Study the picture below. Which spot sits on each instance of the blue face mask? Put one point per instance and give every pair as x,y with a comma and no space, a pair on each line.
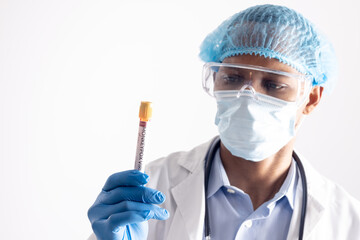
254,126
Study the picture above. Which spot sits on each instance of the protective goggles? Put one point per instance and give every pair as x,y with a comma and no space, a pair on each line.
236,78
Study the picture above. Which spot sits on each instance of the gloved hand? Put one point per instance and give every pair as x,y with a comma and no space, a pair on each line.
123,207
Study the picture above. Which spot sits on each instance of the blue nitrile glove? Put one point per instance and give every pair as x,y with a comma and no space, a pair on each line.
123,207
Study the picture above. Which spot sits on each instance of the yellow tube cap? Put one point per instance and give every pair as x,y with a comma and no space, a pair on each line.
145,111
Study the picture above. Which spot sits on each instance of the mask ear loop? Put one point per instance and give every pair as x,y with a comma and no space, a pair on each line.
306,95
306,92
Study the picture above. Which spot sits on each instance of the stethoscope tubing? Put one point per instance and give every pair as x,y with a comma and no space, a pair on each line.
210,155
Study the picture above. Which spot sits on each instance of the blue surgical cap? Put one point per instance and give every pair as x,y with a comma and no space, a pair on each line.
274,32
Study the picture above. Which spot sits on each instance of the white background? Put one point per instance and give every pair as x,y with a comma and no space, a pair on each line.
73,73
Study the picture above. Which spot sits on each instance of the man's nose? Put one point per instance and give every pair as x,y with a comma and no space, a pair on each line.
247,86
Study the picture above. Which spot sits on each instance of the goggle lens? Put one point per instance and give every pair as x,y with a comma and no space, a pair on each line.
227,77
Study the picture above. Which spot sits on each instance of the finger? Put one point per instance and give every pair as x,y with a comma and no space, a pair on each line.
120,220
105,211
126,178
137,194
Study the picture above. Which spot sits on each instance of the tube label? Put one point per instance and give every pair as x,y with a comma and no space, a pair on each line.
140,147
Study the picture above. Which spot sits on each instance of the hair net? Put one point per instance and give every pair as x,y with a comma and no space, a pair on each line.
274,32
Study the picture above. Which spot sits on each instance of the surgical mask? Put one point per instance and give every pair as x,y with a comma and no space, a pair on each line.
252,125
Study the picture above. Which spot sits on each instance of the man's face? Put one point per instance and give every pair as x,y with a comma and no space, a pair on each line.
310,101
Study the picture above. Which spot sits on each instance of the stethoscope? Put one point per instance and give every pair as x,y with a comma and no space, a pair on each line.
215,145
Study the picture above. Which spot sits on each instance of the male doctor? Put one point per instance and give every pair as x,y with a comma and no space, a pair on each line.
267,68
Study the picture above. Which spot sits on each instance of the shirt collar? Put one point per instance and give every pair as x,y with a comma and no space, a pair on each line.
288,188
218,178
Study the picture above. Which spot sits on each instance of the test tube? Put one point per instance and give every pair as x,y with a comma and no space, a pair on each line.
145,114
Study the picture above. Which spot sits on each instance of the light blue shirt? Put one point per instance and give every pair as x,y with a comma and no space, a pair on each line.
231,211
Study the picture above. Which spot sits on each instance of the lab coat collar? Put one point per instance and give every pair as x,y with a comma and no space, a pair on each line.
190,192
190,160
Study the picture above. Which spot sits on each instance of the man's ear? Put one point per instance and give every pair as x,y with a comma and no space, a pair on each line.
314,99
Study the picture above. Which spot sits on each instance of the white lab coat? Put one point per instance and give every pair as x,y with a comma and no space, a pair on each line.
331,212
